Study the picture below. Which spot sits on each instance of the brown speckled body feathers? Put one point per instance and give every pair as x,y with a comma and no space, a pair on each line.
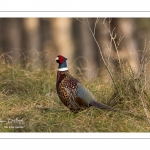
67,90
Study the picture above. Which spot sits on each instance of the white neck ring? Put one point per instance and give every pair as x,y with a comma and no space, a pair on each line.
63,69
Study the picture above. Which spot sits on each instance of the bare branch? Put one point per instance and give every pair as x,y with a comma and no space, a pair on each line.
87,20
113,38
101,53
97,20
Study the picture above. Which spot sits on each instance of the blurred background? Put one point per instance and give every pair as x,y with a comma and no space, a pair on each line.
36,42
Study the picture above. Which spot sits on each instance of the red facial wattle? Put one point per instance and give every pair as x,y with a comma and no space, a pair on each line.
61,59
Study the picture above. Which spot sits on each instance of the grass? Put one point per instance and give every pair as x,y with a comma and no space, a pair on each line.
26,106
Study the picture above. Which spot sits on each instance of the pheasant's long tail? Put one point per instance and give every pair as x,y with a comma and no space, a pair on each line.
100,106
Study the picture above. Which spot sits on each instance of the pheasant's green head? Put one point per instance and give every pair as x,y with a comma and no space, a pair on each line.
61,60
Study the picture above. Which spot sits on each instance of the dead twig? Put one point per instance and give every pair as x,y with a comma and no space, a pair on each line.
101,53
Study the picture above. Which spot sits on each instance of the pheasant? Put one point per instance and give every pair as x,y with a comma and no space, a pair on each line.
71,92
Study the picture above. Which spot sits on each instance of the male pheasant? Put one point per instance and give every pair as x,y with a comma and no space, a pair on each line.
71,92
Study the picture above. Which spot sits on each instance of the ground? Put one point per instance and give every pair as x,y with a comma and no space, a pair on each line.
29,103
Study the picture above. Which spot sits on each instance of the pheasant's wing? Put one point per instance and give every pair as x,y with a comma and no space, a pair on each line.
84,95
88,99
79,96
70,87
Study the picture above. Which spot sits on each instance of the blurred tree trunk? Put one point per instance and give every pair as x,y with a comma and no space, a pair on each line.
104,40
87,51
62,36
128,48
33,41
49,49
11,38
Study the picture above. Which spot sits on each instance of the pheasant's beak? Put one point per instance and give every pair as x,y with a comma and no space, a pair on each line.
56,58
